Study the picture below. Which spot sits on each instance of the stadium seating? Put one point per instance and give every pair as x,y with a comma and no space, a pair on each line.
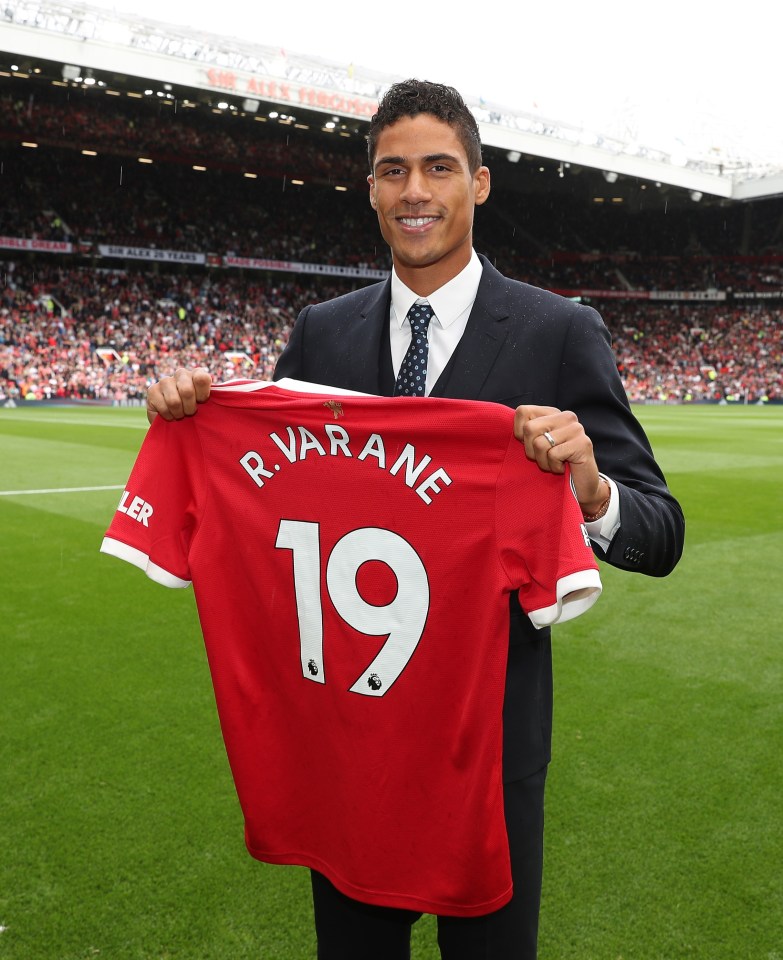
693,307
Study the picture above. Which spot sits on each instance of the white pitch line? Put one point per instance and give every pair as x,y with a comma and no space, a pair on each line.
18,493
27,416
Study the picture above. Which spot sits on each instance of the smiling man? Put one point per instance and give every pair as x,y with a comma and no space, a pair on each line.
448,324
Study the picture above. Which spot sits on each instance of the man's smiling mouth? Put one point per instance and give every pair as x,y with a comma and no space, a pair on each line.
416,221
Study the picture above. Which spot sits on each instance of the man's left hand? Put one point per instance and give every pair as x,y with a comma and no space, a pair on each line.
555,437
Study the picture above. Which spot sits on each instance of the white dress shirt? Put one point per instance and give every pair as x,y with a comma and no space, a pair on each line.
452,304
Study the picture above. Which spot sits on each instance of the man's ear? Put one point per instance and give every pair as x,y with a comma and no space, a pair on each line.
481,185
371,181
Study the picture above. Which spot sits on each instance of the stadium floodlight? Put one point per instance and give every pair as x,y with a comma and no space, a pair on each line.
696,195
249,105
610,176
71,72
513,156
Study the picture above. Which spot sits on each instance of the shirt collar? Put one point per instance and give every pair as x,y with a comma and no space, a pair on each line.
449,301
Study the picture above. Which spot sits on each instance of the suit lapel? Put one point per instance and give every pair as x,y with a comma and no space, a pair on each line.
486,331
367,347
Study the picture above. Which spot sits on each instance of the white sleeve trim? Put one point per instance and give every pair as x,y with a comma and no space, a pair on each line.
116,548
575,594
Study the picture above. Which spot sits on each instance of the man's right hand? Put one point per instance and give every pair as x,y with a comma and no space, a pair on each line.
174,398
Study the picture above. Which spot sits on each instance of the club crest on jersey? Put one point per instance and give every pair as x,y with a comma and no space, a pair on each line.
312,666
336,407
374,682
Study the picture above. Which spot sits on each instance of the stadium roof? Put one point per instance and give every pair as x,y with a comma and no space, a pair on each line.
89,39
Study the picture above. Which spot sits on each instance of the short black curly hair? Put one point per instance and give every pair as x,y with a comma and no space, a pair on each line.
408,98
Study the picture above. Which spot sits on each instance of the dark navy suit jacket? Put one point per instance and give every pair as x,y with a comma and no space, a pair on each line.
521,345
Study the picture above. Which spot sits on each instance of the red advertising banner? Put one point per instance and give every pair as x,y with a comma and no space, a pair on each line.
294,93
33,243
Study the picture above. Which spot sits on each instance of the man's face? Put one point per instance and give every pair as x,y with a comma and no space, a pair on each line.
424,195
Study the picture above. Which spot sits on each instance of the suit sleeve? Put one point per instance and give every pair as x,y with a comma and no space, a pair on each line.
652,528
290,363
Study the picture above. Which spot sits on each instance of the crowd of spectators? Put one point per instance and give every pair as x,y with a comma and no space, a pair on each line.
106,335
708,352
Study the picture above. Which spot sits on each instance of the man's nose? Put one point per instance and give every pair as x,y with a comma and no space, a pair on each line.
416,188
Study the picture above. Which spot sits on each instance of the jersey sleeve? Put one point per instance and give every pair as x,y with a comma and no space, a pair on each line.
543,543
159,509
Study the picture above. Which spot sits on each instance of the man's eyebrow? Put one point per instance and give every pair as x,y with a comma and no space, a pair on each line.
428,158
393,160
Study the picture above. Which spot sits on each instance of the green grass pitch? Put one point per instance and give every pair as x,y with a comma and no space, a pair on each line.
120,834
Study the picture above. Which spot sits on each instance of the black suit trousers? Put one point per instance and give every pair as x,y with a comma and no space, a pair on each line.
350,930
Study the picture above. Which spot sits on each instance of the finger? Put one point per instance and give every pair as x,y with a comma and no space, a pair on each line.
184,402
555,440
172,397
157,404
549,449
542,429
573,446
176,397
526,413
554,448
202,383
530,422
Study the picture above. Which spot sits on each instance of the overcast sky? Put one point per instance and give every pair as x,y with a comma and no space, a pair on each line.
706,74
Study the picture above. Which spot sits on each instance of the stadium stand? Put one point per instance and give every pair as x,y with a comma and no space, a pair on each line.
116,271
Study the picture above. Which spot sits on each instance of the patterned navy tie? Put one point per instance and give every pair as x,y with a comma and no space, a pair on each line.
412,378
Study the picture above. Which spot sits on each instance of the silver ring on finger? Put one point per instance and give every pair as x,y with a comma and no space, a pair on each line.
550,439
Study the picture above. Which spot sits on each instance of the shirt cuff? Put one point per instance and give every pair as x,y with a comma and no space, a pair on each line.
603,530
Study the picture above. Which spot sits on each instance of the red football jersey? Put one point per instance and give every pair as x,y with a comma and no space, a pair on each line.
352,559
